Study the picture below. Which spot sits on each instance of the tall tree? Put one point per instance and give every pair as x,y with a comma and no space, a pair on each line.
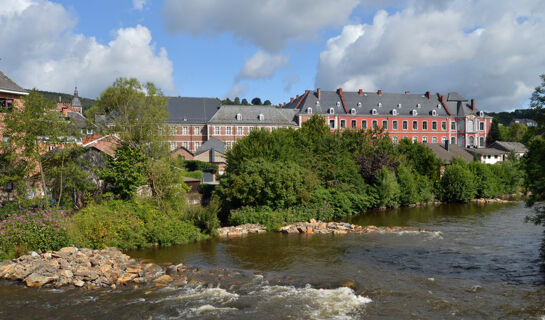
135,109
237,101
244,102
31,131
537,102
267,102
495,133
256,101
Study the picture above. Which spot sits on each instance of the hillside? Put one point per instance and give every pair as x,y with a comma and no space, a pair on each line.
505,118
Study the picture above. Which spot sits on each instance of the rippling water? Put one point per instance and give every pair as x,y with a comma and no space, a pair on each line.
483,262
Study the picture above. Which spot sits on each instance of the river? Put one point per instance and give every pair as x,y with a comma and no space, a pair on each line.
482,263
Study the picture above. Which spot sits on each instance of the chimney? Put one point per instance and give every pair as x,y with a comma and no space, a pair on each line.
340,91
407,92
473,104
428,95
360,92
291,100
447,147
379,92
297,96
319,93
443,100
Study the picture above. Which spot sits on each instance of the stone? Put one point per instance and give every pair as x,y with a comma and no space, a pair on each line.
6,270
233,234
68,250
132,270
38,280
125,278
66,273
163,279
172,270
47,255
309,230
79,283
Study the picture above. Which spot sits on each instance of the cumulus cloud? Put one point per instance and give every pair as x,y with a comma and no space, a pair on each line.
262,65
45,53
267,23
139,4
490,50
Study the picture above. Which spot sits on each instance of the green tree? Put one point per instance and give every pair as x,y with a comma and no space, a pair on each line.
30,131
387,188
135,109
421,158
126,171
495,133
537,102
167,184
516,132
407,183
237,101
457,183
256,101
244,102
267,102
487,181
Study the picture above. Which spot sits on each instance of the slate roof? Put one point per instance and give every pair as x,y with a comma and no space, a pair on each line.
250,115
212,144
454,152
6,84
75,99
77,119
384,103
509,146
191,110
487,151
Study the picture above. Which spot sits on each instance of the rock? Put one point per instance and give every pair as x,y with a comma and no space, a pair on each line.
125,278
34,254
47,255
475,289
132,270
349,284
68,250
66,273
6,270
172,270
233,234
38,280
79,283
163,279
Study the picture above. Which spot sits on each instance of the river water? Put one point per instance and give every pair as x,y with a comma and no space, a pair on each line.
481,262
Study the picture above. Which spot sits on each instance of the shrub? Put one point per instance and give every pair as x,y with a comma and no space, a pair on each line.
197,174
457,184
196,165
33,230
342,202
206,218
409,185
128,224
387,188
487,184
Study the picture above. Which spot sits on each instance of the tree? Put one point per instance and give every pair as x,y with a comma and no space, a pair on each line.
516,132
408,184
537,102
237,101
30,131
256,101
421,158
457,183
244,102
387,188
135,109
495,133
267,102
486,180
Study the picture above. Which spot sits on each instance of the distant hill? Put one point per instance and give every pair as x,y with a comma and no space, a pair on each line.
505,118
86,103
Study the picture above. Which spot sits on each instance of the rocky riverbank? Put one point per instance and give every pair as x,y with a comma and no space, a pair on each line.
314,227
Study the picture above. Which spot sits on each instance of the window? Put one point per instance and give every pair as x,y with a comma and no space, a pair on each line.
481,125
353,124
394,140
250,129
443,140
161,131
433,113
196,130
239,131
481,114
434,139
385,124
415,139
173,130
229,145
343,124
6,105
424,125
197,145
228,130
415,125
309,110
239,117
185,131
405,124
470,127
453,125
332,123
424,139
453,140
172,145
353,111
185,144
89,131
217,131
375,124
374,111
331,111
481,141
51,148
261,117
443,125
471,140
434,125
364,124
394,125
415,113
394,112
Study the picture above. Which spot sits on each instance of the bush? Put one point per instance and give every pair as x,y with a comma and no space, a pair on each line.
342,202
33,230
196,165
206,218
197,174
457,184
128,224
387,188
409,185
487,182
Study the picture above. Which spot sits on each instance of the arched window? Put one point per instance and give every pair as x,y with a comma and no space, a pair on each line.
318,102
331,111
481,114
239,116
471,141
379,104
359,104
309,110
394,140
399,105
434,113
418,105
394,112
414,112
261,117
338,103
374,111
353,111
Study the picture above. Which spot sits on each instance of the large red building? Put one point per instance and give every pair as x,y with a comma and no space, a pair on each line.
427,118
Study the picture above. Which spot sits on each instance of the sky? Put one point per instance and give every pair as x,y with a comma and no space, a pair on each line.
490,50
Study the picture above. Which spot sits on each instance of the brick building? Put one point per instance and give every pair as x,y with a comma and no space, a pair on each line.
11,95
427,118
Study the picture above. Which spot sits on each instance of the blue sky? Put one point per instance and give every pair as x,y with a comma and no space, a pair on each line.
274,49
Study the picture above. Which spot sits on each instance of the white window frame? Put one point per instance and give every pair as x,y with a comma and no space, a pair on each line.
228,130
185,131
217,130
240,131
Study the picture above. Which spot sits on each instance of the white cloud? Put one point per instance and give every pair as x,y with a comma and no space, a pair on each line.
289,82
139,4
238,90
46,54
262,65
491,50
266,23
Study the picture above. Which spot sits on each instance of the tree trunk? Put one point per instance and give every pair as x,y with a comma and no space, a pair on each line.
44,187
60,189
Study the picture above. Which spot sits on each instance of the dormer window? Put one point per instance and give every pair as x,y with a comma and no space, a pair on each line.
438,106
338,103
239,117
261,117
481,114
418,105
317,102
399,105
353,111
379,104
414,112
374,111
309,110
331,111
394,112
434,113
359,104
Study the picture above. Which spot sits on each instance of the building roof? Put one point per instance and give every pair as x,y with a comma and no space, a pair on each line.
362,103
77,119
106,144
453,152
7,85
191,110
509,146
75,99
486,151
212,144
251,115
